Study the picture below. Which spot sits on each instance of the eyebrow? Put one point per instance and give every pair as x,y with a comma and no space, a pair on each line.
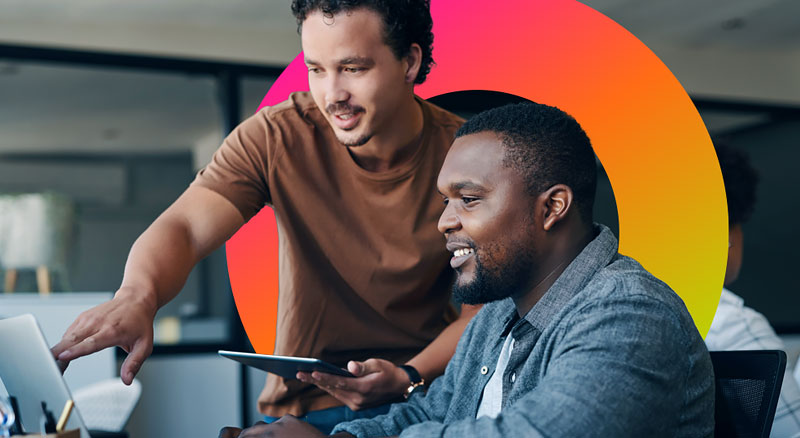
353,60
464,185
357,60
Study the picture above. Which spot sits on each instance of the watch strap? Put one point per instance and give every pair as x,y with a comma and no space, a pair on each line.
413,374
417,381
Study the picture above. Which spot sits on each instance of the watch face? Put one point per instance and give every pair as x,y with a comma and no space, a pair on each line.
415,387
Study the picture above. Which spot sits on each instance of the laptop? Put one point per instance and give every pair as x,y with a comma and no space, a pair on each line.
30,374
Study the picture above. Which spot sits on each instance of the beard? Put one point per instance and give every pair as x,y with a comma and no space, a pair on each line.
501,280
354,142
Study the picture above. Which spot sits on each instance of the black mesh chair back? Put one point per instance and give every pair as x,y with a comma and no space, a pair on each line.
748,384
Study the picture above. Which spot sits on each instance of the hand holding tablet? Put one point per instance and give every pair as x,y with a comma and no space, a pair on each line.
376,381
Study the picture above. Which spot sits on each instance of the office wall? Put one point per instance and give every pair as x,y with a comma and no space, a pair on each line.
130,192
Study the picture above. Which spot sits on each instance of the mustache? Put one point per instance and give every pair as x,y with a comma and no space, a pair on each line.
456,241
342,107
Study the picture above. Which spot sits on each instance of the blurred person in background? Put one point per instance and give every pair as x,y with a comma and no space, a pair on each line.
736,326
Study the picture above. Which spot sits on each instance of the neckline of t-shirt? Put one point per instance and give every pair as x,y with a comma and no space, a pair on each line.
405,169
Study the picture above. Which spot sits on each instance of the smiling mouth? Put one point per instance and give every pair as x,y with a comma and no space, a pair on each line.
346,121
344,115
460,256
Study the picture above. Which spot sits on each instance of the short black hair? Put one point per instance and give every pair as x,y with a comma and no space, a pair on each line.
546,146
405,22
741,180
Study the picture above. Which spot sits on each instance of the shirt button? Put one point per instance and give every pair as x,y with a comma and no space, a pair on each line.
513,377
484,370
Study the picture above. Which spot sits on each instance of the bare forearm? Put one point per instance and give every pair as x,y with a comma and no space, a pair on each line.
163,256
159,262
432,361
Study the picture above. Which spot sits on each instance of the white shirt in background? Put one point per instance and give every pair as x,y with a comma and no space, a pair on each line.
737,327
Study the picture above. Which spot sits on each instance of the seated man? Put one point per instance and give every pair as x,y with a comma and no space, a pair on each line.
576,339
736,326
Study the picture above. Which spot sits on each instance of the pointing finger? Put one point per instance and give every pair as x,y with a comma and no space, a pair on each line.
89,345
73,336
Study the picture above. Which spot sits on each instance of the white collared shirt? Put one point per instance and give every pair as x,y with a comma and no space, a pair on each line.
492,399
738,327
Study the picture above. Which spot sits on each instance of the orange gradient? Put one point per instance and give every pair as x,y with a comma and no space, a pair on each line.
643,126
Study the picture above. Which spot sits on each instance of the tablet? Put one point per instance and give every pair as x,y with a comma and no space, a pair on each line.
284,366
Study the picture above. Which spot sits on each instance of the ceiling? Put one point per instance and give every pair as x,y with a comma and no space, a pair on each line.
262,31
265,31
732,25
745,51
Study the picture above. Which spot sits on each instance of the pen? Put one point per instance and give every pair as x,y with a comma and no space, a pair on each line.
65,413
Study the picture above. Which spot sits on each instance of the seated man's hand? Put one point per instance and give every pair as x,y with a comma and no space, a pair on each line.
231,432
377,381
125,321
288,426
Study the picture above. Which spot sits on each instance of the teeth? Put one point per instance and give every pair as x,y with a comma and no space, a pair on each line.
463,252
345,116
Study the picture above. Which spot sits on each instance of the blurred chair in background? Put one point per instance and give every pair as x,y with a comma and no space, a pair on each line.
748,385
36,233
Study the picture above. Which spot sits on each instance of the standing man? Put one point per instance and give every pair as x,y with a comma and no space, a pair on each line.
350,171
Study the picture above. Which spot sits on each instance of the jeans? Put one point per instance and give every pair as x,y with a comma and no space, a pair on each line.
326,419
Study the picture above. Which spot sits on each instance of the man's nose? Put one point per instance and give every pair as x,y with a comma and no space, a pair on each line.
449,220
336,91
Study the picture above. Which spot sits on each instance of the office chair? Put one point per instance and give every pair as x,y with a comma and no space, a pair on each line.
748,384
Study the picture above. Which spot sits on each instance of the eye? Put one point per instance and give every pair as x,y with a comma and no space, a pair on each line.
314,70
353,69
468,200
445,201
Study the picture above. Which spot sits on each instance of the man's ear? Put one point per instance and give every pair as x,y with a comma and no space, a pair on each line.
413,62
557,203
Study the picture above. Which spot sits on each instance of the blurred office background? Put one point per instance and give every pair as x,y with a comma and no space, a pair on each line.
115,105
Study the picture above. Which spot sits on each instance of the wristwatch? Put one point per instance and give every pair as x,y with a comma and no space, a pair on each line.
417,382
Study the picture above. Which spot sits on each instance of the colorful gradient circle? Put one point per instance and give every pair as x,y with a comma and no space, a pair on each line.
644,128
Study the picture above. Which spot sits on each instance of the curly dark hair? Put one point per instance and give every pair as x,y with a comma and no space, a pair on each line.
741,180
546,146
405,22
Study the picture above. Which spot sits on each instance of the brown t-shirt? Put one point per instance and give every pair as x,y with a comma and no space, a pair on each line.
363,270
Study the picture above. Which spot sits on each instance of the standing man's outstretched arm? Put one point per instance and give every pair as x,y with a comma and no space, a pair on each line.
160,260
